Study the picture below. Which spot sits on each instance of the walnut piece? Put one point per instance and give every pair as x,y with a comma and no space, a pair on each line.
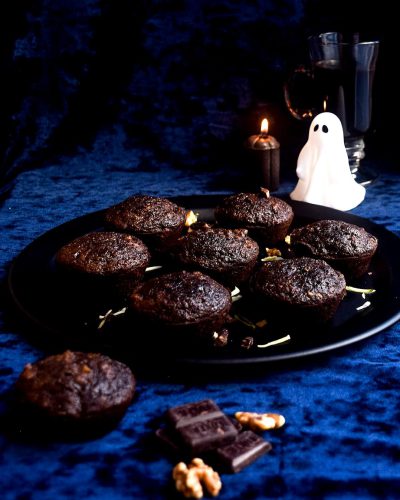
220,339
191,218
265,192
273,252
190,479
260,421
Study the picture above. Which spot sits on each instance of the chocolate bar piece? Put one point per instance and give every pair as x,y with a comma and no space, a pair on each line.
192,412
167,436
201,426
246,448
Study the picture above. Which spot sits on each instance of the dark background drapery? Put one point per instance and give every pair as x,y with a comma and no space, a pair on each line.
185,80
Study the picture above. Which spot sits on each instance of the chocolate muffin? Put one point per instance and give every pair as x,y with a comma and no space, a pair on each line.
267,218
344,246
103,263
299,289
228,255
182,303
76,391
157,221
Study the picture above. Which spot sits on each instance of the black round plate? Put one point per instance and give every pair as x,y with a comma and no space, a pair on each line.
38,294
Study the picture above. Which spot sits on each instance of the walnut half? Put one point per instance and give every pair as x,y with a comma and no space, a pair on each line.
190,479
260,421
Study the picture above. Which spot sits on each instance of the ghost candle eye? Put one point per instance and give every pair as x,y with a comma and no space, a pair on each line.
316,127
325,129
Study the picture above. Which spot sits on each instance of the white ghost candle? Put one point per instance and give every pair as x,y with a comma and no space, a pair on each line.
323,167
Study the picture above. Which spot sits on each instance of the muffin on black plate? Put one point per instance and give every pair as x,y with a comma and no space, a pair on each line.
300,289
103,264
228,255
344,246
267,218
157,221
189,303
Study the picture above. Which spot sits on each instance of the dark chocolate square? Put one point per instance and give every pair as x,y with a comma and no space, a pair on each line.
247,447
180,416
207,434
201,426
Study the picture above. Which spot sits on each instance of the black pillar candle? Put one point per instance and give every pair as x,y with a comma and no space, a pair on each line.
264,156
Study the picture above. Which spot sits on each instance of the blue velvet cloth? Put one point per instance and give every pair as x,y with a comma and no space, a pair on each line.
342,409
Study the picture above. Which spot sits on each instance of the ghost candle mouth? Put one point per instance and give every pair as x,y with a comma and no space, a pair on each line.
323,167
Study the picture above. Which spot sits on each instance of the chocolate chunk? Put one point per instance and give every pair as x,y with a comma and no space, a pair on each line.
208,434
238,426
168,437
193,412
246,448
247,342
201,426
165,436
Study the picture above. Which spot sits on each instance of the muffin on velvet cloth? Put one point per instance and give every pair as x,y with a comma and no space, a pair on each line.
267,218
299,289
76,391
344,246
184,303
103,264
228,255
157,221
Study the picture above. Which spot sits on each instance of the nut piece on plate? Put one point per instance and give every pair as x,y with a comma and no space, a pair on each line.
191,218
260,421
190,479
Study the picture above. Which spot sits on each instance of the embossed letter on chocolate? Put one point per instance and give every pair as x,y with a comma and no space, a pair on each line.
201,426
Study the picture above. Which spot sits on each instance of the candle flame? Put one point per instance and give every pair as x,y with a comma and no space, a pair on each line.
324,105
264,126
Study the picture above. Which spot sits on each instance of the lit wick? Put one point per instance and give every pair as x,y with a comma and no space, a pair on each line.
264,127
